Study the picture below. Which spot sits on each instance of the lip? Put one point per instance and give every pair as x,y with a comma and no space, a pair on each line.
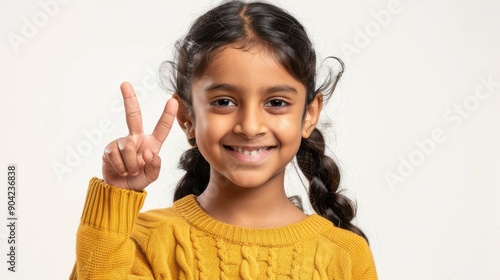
250,154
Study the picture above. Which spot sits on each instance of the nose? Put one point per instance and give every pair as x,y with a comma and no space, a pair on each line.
251,122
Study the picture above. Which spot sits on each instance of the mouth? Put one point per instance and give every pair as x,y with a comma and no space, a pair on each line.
250,151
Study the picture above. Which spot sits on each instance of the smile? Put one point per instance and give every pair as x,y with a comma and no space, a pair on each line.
249,151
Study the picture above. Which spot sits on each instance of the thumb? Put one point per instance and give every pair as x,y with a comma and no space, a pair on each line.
152,165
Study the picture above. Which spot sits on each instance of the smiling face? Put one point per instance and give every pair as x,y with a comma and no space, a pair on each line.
249,117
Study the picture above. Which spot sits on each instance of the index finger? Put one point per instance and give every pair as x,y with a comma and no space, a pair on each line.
133,114
167,118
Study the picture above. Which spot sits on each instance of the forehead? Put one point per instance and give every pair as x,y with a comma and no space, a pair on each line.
251,67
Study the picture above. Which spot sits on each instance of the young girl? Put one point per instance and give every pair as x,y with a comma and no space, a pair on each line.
246,97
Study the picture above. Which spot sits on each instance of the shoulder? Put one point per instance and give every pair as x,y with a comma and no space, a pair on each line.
342,241
166,219
156,232
159,218
349,249
347,241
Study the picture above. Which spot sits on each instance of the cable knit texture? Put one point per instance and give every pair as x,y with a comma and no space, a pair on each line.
115,241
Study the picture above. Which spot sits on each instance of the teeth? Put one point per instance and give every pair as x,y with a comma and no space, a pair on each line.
249,153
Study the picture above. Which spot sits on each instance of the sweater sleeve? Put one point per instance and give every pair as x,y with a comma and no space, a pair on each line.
363,263
352,257
104,249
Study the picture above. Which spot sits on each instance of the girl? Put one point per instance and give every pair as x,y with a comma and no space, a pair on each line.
246,97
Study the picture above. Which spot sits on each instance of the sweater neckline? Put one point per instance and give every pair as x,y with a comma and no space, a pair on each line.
191,211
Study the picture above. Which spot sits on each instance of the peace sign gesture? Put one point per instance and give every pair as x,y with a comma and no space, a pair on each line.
132,162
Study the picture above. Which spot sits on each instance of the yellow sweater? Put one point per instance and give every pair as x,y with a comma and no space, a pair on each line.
115,241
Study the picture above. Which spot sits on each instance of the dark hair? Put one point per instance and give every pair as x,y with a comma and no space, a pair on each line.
249,24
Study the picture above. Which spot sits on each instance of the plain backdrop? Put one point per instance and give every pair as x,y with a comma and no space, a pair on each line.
413,123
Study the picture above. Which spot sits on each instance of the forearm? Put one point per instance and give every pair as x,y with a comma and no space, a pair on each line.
104,248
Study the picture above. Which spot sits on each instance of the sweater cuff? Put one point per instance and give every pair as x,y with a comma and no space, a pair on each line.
111,208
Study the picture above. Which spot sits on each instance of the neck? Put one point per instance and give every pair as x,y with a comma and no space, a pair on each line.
265,206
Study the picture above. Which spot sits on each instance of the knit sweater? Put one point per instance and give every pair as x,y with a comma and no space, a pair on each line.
115,241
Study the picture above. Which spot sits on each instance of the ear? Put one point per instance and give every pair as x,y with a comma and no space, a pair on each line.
184,117
312,114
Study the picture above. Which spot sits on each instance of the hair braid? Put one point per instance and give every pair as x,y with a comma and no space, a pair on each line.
324,178
197,175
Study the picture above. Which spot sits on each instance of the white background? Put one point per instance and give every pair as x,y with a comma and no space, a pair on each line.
406,76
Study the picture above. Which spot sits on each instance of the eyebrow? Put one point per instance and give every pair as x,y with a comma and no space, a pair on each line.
224,87
233,88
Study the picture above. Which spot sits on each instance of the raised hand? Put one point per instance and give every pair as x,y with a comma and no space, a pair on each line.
132,162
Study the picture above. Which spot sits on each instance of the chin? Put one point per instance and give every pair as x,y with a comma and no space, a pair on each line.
250,181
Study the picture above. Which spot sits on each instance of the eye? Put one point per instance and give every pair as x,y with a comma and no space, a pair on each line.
223,103
277,103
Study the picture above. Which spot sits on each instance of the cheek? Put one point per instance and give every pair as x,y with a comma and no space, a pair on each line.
288,129
209,129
